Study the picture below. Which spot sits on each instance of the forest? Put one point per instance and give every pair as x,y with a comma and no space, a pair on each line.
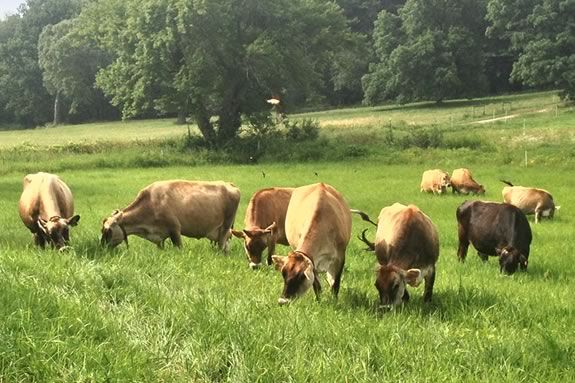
217,62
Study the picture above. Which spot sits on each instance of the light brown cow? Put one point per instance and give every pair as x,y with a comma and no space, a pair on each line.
47,209
407,248
318,228
170,209
530,200
462,182
265,223
435,181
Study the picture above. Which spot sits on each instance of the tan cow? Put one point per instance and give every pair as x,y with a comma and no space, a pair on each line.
318,228
170,209
47,209
265,223
462,182
407,248
530,200
435,181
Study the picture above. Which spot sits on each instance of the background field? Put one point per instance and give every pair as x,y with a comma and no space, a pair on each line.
143,314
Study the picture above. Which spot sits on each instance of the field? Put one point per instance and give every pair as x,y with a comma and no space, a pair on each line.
144,314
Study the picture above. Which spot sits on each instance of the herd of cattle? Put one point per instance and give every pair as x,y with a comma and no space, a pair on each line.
314,220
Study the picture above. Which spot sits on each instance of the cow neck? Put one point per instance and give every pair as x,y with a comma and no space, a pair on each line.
130,223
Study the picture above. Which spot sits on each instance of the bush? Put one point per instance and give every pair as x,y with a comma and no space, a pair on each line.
304,130
423,138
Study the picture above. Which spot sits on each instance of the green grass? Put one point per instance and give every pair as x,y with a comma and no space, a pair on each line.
194,315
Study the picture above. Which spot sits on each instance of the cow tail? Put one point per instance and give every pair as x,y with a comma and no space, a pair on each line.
506,182
363,216
370,245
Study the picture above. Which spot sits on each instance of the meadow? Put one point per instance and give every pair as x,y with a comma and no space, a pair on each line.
144,314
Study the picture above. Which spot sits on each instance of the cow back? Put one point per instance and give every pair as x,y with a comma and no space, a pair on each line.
318,219
266,207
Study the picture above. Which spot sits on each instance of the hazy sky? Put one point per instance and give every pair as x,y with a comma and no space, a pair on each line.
9,7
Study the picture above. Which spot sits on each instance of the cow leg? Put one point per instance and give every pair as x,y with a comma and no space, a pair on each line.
271,250
429,282
463,244
316,286
336,279
176,239
482,256
537,214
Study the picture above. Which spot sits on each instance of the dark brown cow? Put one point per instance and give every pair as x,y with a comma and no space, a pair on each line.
407,248
497,229
170,209
318,228
530,200
265,223
462,182
47,209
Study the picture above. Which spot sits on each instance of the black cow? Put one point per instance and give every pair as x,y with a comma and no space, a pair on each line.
498,229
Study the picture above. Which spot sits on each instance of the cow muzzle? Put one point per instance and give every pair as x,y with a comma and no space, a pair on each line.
254,266
283,301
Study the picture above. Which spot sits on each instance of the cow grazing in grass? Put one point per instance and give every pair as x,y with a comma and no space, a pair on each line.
407,248
530,200
170,209
47,209
318,228
462,182
435,181
264,224
497,229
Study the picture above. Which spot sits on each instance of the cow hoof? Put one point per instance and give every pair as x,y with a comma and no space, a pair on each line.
283,301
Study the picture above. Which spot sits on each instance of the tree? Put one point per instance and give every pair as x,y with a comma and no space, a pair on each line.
69,63
542,34
433,49
219,57
25,97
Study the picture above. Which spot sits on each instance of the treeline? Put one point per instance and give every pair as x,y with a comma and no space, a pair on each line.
218,61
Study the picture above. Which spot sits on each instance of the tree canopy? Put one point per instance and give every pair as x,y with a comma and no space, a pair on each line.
219,60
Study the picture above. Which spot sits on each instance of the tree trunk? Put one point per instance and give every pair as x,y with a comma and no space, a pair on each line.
204,124
181,117
230,116
57,107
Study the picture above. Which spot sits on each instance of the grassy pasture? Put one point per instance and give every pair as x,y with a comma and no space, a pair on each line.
143,314
195,315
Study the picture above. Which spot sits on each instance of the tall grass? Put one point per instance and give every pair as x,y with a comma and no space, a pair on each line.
143,314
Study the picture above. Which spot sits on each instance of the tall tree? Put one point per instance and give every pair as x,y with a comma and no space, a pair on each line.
433,49
20,75
69,62
219,57
542,34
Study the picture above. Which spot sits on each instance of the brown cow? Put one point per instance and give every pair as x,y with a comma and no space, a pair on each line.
435,181
530,200
265,223
47,209
318,228
407,248
170,209
462,182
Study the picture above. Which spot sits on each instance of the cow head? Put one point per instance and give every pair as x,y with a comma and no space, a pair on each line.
113,233
298,272
509,259
56,230
255,242
390,282
445,182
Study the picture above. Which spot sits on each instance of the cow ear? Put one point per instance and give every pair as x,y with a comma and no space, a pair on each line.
413,277
238,234
73,221
42,225
279,261
270,228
